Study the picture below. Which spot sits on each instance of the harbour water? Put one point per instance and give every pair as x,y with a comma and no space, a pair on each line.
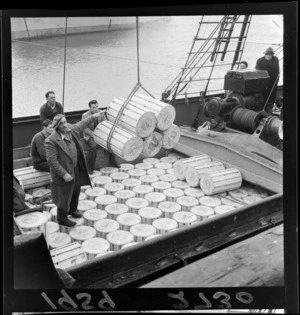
103,65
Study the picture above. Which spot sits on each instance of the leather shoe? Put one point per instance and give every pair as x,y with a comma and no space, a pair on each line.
76,214
66,222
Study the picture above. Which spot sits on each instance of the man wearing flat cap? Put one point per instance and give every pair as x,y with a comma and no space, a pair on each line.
67,166
270,63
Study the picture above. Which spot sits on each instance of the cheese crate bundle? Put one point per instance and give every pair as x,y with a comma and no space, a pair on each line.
29,177
152,144
170,137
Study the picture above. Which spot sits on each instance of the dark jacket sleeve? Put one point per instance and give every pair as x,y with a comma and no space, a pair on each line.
81,125
40,147
43,113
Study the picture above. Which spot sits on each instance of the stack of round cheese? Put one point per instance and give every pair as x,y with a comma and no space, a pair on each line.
134,204
119,176
105,226
82,233
142,190
93,215
84,205
164,225
124,195
149,214
111,188
93,193
125,167
160,186
155,198
104,200
171,171
136,173
126,220
115,209
58,239
131,182
210,201
100,181
95,246
142,231
168,208
119,238
173,193
184,218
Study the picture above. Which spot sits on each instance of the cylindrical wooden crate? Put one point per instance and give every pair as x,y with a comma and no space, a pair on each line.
154,198
173,193
93,193
130,183
135,118
193,192
170,137
129,245
181,165
151,237
67,229
115,209
180,184
100,181
119,176
82,196
156,172
168,208
149,214
141,231
104,200
168,178
84,205
108,170
143,166
210,201
223,209
160,186
169,159
148,179
164,112
95,246
184,218
119,238
53,212
93,215
193,173
82,233
134,204
151,161
105,226
127,220
136,173
238,193
48,215
124,195
48,206
164,225
187,202
112,188
202,212
125,144
58,239
142,190
152,144
32,222
84,188
125,167
220,181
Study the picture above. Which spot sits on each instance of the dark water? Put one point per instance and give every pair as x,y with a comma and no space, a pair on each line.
103,65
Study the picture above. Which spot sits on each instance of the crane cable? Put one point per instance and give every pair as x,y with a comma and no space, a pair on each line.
134,90
65,57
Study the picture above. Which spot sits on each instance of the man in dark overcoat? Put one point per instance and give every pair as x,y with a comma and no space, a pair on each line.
67,166
270,63
50,108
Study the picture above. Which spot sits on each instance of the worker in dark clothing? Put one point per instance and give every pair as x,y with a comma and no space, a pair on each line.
270,63
50,108
38,151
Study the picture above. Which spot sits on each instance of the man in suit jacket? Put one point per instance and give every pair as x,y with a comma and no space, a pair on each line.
270,63
37,149
50,108
88,134
67,165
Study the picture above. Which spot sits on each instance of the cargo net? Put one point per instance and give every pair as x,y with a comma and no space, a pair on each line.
132,204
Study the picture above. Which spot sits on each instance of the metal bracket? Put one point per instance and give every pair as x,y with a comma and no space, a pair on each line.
176,256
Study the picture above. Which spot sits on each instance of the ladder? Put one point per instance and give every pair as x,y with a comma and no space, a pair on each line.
209,52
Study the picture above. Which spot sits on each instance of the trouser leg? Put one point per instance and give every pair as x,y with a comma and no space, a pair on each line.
76,190
92,154
42,166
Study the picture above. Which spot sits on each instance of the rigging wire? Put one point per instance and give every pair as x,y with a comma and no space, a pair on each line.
65,57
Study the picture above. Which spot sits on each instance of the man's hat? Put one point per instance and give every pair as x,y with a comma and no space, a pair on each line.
56,120
269,51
